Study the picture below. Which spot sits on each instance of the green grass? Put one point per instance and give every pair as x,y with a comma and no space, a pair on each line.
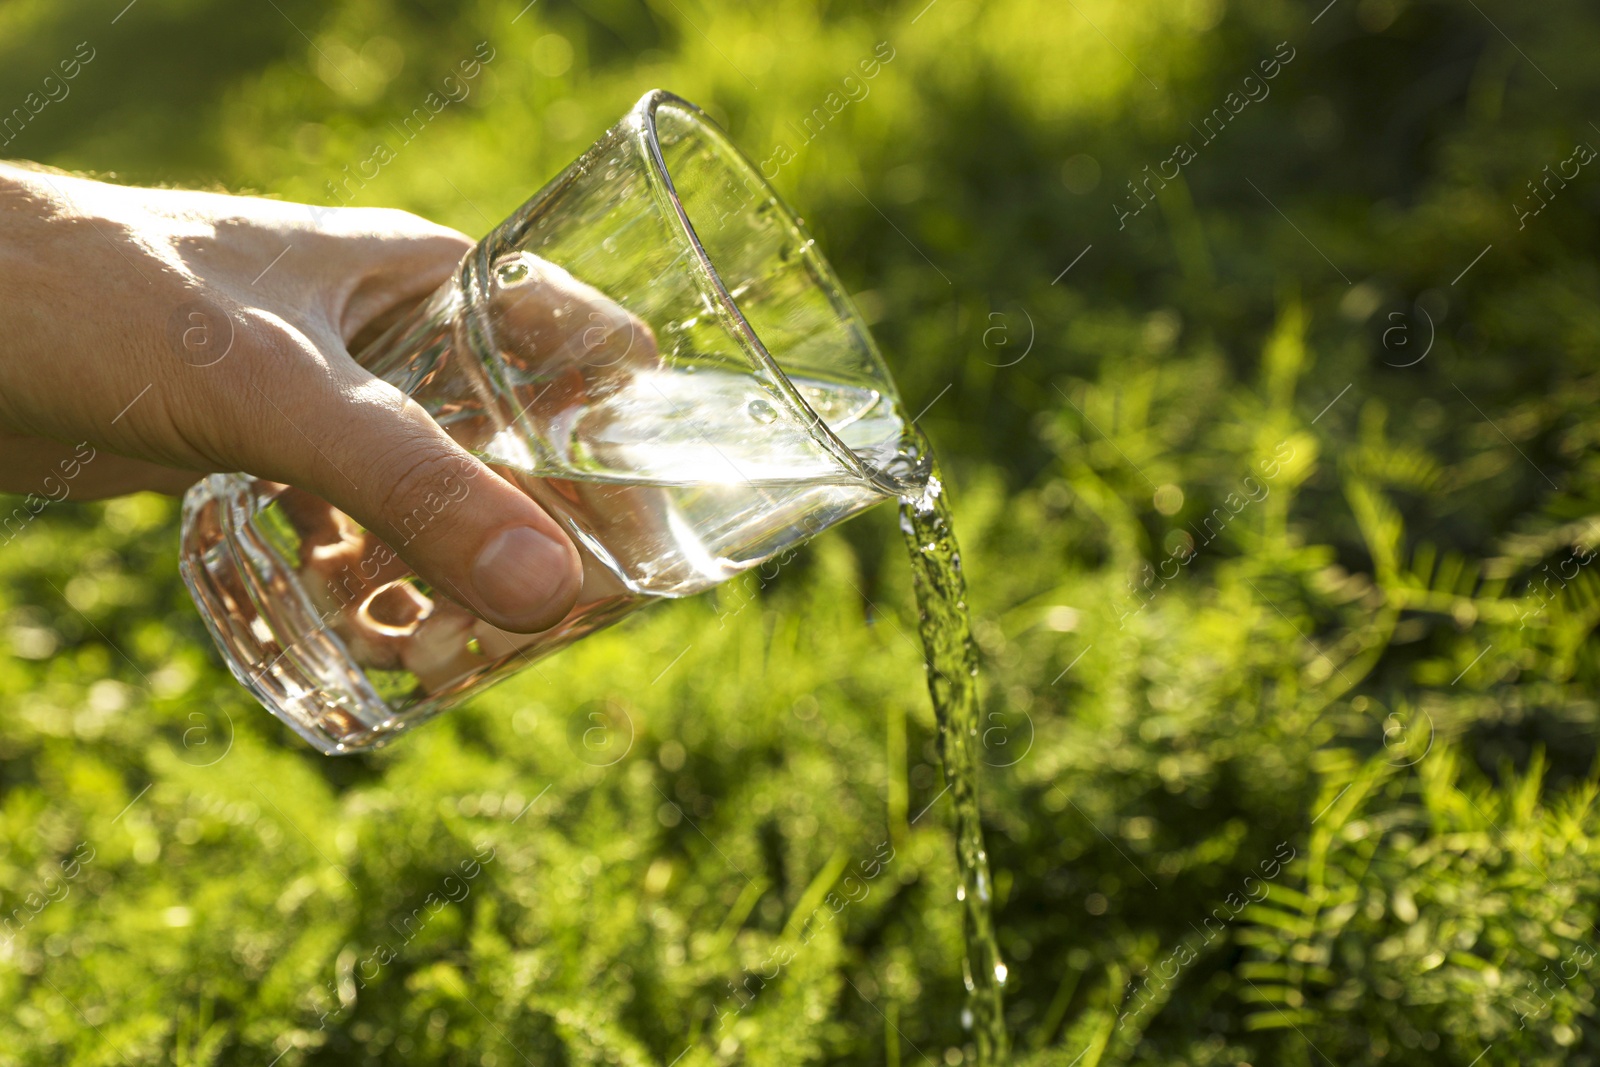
1315,785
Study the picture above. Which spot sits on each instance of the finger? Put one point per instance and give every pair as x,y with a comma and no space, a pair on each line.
413,258
467,532
544,315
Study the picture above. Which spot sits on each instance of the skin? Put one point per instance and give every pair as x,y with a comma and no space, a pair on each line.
98,286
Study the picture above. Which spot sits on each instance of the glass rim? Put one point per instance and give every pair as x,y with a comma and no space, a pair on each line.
643,118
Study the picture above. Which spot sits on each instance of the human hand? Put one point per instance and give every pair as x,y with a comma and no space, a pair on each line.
100,284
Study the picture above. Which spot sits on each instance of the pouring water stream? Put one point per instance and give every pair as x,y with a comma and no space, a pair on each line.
952,666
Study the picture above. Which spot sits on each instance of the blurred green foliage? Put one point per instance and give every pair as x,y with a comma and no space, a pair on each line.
1286,769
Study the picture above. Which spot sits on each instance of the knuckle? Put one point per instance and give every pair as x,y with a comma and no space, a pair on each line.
394,221
265,376
420,485
235,377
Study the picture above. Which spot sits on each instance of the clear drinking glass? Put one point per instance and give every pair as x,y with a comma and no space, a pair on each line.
654,350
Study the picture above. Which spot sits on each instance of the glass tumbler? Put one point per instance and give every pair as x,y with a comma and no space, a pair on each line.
654,350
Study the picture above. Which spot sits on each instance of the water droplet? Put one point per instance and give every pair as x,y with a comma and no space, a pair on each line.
961,892
983,886
1000,973
966,1018
761,411
512,271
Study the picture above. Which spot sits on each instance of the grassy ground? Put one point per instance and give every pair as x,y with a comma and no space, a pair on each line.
1276,519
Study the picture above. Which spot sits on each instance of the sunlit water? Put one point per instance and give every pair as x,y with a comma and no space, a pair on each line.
688,426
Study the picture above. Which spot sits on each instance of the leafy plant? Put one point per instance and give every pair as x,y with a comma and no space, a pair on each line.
1256,588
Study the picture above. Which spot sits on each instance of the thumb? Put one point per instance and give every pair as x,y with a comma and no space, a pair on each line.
467,532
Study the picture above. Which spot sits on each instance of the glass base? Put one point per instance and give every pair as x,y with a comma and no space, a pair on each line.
349,656
272,638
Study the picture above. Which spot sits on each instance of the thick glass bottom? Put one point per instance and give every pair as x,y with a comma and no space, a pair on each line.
347,662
